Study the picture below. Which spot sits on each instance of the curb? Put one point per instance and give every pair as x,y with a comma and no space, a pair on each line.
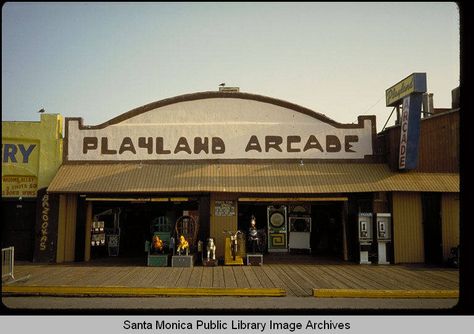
358,293
120,291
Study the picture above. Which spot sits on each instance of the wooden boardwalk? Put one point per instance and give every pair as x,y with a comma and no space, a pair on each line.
296,279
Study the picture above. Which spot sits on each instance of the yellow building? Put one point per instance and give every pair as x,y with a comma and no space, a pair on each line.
31,155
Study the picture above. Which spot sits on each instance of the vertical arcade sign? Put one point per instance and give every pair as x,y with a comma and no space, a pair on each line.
408,92
409,132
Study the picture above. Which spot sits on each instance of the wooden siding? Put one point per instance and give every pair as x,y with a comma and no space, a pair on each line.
439,144
87,245
407,228
61,228
450,222
66,228
218,224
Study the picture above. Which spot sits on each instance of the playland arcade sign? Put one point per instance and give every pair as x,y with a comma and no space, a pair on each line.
219,129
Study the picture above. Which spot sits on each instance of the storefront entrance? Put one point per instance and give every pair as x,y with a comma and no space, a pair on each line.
311,228
129,224
18,226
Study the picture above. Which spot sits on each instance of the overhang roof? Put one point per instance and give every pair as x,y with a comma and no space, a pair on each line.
262,177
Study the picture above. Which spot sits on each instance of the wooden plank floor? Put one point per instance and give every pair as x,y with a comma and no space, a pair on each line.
297,279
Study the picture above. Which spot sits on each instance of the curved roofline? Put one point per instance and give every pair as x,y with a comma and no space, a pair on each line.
216,94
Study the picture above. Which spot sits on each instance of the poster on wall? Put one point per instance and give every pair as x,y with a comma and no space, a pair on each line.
225,208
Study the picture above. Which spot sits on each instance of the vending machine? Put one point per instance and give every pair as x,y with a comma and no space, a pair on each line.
384,236
277,228
365,236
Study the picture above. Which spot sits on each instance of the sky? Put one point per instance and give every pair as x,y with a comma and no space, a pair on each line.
99,60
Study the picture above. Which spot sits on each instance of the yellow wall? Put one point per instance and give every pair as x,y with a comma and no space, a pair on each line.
220,223
449,222
21,176
408,239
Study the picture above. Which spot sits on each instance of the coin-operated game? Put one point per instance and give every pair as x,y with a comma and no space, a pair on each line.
384,236
185,236
234,248
365,236
158,247
255,240
277,228
210,259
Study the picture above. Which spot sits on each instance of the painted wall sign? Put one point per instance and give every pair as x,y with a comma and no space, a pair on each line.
414,83
19,186
46,231
219,128
410,132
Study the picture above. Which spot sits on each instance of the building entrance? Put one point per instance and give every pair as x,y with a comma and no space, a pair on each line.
308,228
127,225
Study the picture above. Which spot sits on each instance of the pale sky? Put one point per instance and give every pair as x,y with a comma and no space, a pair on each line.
99,60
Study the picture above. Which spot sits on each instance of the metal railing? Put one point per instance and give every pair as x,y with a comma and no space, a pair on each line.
8,263
8,266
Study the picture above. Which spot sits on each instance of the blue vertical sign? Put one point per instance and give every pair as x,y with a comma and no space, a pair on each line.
410,131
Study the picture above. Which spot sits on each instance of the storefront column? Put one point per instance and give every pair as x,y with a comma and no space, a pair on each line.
221,221
450,222
344,214
87,246
66,228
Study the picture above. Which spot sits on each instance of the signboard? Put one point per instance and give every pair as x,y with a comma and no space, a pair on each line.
19,186
410,132
415,83
224,208
46,231
20,164
220,128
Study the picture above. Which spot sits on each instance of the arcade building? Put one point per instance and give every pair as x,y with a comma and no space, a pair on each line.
316,187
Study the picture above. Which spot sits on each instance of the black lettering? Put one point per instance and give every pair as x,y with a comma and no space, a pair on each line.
127,145
218,146
201,144
347,142
253,144
273,142
89,143
311,143
290,140
146,143
332,144
182,146
159,146
104,147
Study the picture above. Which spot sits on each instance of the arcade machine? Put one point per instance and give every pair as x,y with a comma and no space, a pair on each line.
234,248
277,228
159,247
